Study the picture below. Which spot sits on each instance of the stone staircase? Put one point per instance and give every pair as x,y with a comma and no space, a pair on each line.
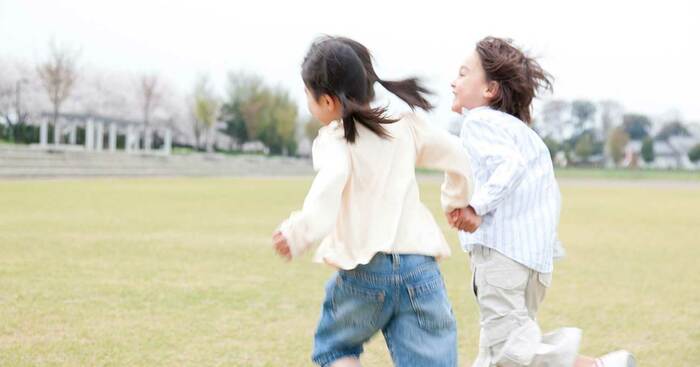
30,162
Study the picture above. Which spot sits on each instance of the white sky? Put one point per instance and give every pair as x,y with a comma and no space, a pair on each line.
644,55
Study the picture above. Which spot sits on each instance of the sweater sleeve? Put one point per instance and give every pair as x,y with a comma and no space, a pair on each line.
319,213
437,149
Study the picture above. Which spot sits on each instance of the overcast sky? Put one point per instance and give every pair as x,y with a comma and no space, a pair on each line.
644,55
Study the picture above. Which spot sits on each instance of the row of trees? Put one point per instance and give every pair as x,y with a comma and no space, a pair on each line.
250,110
593,133
254,111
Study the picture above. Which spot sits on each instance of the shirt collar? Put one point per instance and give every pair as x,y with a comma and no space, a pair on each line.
466,111
335,124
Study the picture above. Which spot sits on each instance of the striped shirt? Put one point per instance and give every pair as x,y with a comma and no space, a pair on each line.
516,192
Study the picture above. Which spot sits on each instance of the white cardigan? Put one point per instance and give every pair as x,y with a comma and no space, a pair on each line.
365,199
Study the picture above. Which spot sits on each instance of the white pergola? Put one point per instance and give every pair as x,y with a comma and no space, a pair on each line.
95,129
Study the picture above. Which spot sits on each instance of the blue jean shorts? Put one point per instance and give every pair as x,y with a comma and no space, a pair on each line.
403,296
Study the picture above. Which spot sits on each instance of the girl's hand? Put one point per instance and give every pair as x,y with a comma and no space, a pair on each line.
469,221
465,219
281,246
453,216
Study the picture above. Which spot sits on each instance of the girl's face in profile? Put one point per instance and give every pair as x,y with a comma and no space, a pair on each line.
471,89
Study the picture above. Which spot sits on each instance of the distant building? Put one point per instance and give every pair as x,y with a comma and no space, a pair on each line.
673,153
668,154
255,147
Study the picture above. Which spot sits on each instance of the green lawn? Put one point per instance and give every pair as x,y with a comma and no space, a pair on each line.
614,174
628,174
164,272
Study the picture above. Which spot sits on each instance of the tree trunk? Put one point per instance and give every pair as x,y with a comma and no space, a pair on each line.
55,114
210,140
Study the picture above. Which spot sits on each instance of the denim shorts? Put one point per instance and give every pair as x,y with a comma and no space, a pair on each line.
401,295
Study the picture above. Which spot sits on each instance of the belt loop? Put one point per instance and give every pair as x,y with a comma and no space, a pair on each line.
395,261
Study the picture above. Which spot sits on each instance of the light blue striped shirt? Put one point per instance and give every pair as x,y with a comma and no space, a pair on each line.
516,192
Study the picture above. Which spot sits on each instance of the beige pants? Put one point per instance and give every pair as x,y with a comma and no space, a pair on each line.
509,294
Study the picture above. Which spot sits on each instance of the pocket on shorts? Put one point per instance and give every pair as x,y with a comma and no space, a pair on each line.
355,305
511,278
545,279
431,305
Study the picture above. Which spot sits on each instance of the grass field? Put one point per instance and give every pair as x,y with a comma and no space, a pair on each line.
161,272
615,174
629,174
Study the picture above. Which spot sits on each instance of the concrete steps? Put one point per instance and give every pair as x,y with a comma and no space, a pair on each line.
25,162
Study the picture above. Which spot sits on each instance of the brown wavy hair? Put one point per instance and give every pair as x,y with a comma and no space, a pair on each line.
519,76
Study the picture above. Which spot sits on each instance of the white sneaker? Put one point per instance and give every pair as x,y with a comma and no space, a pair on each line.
620,358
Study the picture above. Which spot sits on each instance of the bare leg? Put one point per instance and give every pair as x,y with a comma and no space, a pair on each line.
347,362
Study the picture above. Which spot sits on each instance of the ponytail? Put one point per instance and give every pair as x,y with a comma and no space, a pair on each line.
342,67
371,118
410,91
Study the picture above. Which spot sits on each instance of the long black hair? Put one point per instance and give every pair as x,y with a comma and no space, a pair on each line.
341,67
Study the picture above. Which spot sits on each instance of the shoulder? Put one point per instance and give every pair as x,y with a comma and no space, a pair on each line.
488,115
483,122
411,118
494,122
330,145
411,123
333,131
417,121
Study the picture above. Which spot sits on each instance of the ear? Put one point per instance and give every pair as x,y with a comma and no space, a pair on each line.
492,89
325,101
331,103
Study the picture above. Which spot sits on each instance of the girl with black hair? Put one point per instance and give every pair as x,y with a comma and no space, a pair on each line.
364,208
